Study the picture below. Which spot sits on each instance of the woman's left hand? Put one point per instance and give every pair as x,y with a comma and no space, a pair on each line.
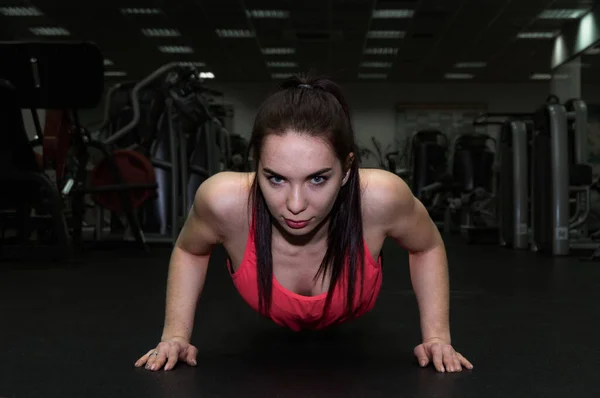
443,356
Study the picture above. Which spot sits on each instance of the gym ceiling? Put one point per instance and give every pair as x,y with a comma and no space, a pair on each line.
351,40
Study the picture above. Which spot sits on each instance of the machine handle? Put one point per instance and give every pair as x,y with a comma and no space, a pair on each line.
135,100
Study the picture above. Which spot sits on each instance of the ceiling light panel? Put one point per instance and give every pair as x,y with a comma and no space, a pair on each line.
176,49
114,73
562,14
385,34
234,33
278,51
20,12
459,76
268,14
49,31
140,11
196,64
536,35
541,76
368,76
207,75
376,64
389,14
381,51
282,75
161,32
470,65
282,64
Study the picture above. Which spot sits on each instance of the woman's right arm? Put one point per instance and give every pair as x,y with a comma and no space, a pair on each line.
189,263
187,274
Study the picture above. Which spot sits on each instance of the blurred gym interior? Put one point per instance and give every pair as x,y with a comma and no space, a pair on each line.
113,114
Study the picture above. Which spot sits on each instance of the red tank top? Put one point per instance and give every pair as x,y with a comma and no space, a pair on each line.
297,312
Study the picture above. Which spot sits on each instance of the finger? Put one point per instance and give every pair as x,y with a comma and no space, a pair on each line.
190,356
157,361
173,355
457,363
449,358
421,355
464,361
142,361
438,361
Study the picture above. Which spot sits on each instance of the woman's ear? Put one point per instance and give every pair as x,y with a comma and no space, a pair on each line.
348,168
349,161
346,177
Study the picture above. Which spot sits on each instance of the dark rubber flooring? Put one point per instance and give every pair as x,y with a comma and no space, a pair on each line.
529,324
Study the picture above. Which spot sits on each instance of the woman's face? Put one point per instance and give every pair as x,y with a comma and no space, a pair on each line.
300,178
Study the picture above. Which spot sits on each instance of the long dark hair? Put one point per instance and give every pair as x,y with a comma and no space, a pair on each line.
316,107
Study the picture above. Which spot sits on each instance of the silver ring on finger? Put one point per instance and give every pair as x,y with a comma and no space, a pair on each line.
155,353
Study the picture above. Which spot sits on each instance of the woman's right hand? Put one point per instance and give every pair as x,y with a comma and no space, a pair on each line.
167,353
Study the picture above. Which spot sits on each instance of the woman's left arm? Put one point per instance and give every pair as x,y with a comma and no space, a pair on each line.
410,225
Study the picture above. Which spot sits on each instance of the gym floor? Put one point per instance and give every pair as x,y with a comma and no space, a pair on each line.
528,323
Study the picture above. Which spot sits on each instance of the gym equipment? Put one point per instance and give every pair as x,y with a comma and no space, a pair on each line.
559,157
513,184
386,159
183,146
40,75
136,171
472,170
428,160
512,175
55,142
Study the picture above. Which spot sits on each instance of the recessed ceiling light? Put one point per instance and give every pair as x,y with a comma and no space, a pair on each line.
20,12
282,64
140,11
470,65
278,51
273,14
393,14
108,62
282,75
376,64
160,32
176,49
385,34
196,64
381,51
114,73
49,31
234,33
536,35
459,76
562,14
372,76
541,76
207,75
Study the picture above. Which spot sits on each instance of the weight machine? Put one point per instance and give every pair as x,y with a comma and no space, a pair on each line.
185,149
36,75
559,171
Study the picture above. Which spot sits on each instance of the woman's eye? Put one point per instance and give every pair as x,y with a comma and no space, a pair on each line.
319,180
276,180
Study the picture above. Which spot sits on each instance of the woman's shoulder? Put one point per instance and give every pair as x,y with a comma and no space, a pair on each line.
383,194
227,194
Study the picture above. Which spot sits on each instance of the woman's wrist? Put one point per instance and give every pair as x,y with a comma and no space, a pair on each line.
168,337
